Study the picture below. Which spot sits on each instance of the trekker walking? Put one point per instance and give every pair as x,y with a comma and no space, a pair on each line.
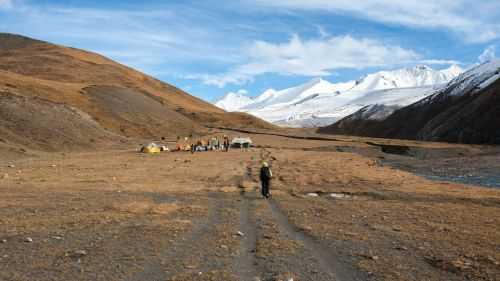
265,178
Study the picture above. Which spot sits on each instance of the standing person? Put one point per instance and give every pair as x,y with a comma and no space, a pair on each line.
265,178
226,143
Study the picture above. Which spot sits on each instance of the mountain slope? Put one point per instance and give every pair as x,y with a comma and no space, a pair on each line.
467,110
319,102
112,99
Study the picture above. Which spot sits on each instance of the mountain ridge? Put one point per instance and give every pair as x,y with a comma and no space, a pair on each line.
320,102
466,110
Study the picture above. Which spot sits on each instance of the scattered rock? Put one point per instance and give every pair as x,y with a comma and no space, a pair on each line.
224,247
239,233
77,254
3,241
53,166
375,258
340,195
28,240
401,248
397,228
57,237
11,166
312,194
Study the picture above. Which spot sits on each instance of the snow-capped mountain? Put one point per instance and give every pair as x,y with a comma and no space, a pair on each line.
319,102
464,110
234,101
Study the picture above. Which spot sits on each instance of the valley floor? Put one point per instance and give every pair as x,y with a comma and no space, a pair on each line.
121,215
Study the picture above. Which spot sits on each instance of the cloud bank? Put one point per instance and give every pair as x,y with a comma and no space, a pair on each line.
313,57
475,21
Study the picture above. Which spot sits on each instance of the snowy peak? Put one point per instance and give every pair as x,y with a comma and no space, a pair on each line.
478,77
473,80
234,101
453,71
417,76
320,102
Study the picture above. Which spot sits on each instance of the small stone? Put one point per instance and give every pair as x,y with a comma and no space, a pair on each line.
401,248
239,233
77,254
53,166
375,258
57,238
3,241
11,166
397,229
224,247
28,240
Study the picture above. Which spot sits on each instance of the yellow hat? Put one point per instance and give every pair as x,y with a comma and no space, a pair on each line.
265,164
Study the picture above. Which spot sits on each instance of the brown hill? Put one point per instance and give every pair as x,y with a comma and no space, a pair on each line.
54,96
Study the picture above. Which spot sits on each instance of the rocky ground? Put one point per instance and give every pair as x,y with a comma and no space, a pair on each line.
338,212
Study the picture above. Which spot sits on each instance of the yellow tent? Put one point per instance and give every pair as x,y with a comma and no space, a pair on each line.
151,148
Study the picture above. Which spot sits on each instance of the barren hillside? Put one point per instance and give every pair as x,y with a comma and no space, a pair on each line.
54,95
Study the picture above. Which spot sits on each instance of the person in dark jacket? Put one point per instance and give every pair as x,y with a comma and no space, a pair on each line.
265,178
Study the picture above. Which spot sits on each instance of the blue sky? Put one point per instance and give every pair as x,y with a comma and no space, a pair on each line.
210,48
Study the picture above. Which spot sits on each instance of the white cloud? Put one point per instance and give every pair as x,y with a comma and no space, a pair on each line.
475,21
6,4
314,57
488,54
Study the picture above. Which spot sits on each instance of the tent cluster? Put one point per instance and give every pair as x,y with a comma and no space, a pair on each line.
212,144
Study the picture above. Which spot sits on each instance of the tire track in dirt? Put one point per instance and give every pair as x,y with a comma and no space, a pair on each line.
327,260
246,262
183,247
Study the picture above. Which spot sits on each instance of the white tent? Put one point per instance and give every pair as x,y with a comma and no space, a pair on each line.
241,142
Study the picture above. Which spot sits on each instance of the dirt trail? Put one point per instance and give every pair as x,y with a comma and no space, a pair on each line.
246,262
267,228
